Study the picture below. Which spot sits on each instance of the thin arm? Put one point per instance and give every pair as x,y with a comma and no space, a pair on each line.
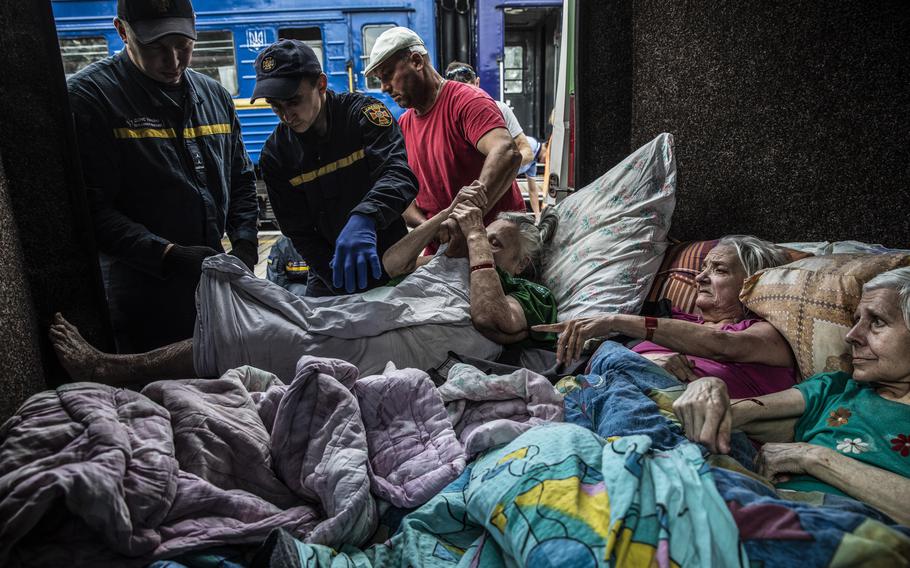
401,258
760,343
878,487
494,314
783,405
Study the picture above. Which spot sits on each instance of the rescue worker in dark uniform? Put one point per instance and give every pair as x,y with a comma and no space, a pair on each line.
165,170
335,169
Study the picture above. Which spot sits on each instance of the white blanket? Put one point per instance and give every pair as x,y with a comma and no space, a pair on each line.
244,320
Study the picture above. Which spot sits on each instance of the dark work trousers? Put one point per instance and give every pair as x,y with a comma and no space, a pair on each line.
148,312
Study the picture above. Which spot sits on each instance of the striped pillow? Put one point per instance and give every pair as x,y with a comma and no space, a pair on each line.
675,279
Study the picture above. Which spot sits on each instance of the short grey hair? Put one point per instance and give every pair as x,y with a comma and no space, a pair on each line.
897,279
754,253
529,239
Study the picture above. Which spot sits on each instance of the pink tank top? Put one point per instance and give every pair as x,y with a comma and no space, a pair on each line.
743,380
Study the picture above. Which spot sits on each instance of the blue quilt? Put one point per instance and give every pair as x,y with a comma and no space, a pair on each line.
618,485
621,396
560,495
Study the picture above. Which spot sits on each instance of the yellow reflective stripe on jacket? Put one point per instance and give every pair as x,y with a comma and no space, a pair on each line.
190,132
327,169
206,130
124,133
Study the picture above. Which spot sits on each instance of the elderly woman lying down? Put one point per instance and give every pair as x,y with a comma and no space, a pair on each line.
832,433
469,305
725,341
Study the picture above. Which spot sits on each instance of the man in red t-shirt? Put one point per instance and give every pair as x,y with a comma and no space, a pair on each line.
454,134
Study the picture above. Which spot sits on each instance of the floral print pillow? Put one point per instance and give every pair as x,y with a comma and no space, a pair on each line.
612,235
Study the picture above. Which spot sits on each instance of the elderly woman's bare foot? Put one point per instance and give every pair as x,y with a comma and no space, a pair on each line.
82,361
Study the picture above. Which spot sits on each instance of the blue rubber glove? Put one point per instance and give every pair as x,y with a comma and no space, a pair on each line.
355,252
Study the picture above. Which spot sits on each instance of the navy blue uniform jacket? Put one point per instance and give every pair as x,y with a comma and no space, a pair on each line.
155,174
359,166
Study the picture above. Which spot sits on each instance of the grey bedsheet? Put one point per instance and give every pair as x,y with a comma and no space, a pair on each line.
243,320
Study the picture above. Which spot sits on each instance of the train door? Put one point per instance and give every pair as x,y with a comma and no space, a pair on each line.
365,28
520,78
528,66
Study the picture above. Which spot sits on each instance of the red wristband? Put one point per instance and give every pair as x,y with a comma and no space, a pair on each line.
482,266
650,326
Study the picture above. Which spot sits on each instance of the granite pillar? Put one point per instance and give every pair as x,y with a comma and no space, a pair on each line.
49,257
789,117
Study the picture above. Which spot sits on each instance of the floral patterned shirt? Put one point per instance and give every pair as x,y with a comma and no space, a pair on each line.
851,418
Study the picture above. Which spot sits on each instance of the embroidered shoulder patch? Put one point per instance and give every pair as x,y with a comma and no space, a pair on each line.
378,114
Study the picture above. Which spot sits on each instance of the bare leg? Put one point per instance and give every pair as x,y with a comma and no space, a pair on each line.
534,197
85,363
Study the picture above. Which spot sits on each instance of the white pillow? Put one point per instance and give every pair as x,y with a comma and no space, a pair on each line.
612,235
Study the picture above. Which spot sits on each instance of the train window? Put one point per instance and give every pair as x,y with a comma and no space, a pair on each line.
213,55
310,36
513,66
79,52
370,33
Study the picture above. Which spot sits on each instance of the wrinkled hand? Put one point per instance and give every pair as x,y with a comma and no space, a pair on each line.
458,245
450,233
186,261
474,194
676,364
574,333
355,254
778,462
468,217
446,230
705,413
465,218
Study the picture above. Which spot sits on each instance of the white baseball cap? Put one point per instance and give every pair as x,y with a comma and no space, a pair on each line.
392,41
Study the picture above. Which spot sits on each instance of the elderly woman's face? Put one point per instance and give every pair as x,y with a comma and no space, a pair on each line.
880,339
505,241
720,282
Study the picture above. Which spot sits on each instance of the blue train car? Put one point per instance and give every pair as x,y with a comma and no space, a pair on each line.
232,32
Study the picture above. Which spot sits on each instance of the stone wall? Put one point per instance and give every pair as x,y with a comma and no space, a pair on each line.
21,372
789,117
49,260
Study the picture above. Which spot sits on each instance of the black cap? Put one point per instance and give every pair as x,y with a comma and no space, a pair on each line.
153,19
281,66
